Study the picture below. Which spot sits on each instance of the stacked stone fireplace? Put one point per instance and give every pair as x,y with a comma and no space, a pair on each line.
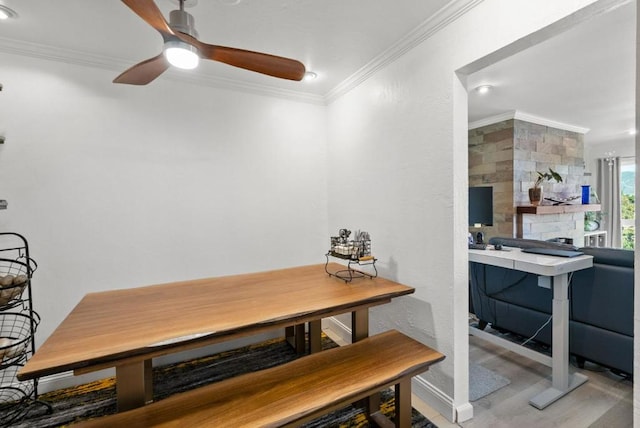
507,155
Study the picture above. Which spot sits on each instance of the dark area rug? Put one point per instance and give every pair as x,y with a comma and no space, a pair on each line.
95,399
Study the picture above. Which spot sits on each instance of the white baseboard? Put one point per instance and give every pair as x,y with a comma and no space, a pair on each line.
337,327
464,412
67,380
424,390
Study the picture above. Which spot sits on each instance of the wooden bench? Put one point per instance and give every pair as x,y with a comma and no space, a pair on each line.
295,392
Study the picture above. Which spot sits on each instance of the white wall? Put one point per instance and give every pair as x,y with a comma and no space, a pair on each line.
398,169
118,186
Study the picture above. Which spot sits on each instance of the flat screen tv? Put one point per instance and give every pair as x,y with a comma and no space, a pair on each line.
481,206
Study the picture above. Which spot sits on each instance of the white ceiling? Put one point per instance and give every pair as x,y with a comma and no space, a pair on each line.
333,38
584,77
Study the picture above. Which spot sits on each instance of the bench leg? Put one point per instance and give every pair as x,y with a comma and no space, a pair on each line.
403,403
359,331
402,408
134,385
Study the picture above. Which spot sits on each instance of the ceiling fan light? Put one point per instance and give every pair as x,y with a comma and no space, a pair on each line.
181,55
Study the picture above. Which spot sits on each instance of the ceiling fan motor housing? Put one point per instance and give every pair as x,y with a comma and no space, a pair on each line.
182,21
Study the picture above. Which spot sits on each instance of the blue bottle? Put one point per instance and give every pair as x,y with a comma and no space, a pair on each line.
585,194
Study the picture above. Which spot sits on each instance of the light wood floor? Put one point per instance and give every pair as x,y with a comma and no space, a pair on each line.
605,401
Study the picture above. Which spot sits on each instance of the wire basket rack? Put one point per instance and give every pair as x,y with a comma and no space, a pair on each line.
16,331
15,336
18,323
15,402
14,279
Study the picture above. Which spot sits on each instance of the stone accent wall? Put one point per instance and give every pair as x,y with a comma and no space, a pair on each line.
538,148
507,156
491,162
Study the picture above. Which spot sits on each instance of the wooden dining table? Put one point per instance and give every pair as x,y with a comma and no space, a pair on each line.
127,328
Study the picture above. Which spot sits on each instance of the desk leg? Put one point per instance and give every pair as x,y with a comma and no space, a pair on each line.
562,382
134,385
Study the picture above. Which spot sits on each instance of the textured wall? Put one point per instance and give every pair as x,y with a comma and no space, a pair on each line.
118,186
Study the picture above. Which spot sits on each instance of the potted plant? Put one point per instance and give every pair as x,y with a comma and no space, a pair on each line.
535,193
592,220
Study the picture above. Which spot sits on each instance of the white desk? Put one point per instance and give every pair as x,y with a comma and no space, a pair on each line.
555,269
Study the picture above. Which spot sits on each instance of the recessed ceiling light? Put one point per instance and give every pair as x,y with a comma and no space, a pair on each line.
310,75
633,131
483,89
6,13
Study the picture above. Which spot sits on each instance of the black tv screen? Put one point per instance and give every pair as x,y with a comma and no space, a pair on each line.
481,206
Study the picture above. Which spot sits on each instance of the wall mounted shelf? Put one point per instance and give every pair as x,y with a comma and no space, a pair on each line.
556,209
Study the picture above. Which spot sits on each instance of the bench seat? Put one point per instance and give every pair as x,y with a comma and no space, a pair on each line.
295,392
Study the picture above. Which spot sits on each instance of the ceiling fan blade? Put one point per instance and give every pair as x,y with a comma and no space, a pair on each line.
271,65
149,11
144,72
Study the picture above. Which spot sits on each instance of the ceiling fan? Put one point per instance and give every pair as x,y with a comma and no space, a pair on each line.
183,49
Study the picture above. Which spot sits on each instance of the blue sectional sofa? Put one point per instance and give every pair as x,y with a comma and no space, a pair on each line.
601,304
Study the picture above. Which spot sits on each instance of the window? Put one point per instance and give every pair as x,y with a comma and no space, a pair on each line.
628,201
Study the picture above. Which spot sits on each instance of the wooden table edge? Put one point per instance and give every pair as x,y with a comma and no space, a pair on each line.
143,354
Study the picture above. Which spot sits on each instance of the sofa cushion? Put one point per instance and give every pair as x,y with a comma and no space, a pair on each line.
602,296
610,256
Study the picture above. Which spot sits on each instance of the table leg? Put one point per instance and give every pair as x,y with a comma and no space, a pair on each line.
134,385
289,335
561,381
295,337
359,325
315,336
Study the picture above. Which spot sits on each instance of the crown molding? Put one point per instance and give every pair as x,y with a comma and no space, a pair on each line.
519,115
449,13
492,119
445,16
68,56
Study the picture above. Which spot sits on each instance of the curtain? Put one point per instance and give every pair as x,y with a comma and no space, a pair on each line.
608,188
